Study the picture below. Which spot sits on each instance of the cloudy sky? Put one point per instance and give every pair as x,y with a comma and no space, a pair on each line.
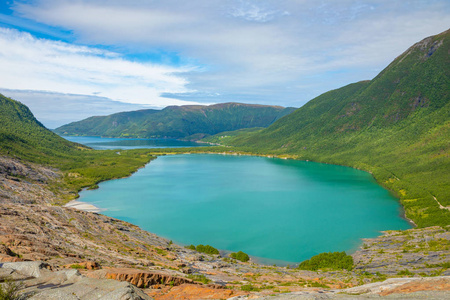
68,60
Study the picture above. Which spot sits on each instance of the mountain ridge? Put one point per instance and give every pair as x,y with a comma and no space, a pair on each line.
395,126
178,121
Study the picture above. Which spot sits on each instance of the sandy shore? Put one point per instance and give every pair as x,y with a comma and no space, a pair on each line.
83,206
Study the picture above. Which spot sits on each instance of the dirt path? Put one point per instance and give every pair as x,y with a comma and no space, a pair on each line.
440,205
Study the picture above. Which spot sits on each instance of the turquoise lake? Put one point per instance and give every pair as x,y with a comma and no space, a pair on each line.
278,211
101,143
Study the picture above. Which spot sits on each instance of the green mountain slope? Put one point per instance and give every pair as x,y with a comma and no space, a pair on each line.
23,137
395,126
178,121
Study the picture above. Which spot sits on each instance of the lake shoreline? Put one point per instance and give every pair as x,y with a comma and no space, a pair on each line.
153,225
232,152
83,206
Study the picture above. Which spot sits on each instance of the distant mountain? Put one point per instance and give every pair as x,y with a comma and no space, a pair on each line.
178,121
396,126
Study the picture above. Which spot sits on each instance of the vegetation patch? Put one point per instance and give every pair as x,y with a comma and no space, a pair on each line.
444,265
405,272
204,249
77,266
199,278
330,260
249,288
11,290
240,256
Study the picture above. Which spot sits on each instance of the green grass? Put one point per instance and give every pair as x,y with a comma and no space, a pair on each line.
405,272
249,288
223,137
199,278
444,265
77,266
11,290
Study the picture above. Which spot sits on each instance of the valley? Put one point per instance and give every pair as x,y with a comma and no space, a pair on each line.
395,127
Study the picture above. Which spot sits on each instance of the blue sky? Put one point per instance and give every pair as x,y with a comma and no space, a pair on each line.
68,60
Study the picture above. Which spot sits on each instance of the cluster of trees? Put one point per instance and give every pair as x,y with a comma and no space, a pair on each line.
330,260
240,256
207,249
211,250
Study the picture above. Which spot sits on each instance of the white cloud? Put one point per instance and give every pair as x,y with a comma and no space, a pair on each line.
38,64
264,51
56,109
256,11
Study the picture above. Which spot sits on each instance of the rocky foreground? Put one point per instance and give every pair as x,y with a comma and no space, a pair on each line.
64,253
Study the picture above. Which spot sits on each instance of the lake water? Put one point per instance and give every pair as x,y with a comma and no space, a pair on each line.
277,210
101,143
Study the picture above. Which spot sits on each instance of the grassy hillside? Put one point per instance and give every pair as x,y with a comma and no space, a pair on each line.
25,138
223,137
396,126
178,121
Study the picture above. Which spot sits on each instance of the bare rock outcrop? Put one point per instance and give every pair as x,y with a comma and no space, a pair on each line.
140,278
40,283
414,251
191,291
431,288
22,182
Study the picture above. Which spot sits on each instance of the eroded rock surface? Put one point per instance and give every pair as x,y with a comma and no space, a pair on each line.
25,182
39,282
140,278
423,251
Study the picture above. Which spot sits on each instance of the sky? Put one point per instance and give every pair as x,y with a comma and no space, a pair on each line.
68,60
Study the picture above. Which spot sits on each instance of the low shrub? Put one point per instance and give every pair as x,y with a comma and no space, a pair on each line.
199,278
11,290
405,272
77,266
240,256
330,260
249,288
192,247
206,249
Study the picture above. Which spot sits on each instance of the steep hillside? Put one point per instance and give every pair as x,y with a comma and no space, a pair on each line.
178,121
25,138
395,126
